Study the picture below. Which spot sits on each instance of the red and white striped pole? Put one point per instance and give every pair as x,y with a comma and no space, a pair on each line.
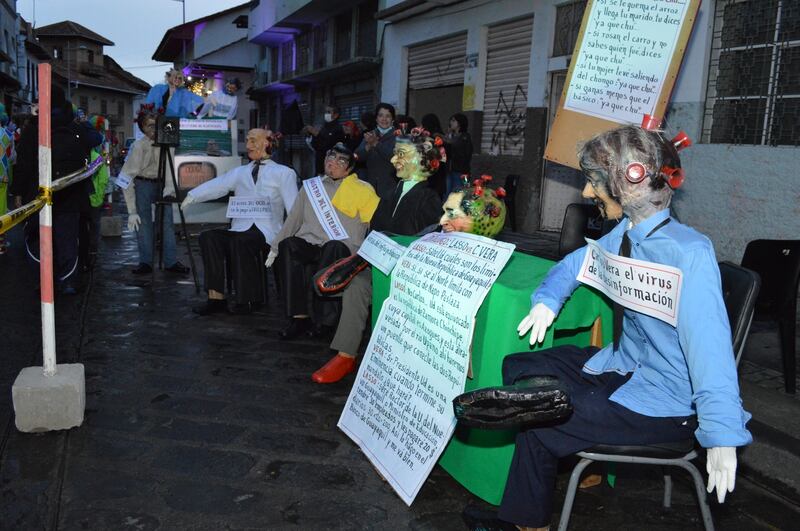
46,226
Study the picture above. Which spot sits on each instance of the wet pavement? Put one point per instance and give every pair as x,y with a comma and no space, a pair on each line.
212,423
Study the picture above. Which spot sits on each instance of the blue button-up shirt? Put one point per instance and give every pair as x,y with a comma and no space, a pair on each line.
677,371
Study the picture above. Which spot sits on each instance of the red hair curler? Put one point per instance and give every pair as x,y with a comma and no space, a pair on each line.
650,123
635,172
681,140
673,176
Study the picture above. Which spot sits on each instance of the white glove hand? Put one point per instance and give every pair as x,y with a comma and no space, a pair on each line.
721,467
187,201
133,222
537,321
271,258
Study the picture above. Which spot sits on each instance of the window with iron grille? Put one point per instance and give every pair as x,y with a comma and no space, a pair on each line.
344,28
287,59
303,46
568,26
753,92
320,46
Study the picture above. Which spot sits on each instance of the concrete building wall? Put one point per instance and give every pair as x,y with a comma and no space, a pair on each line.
732,193
218,32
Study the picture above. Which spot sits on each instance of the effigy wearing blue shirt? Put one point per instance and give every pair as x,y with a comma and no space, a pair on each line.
677,371
182,104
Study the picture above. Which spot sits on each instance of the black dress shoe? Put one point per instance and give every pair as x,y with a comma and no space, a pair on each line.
484,520
321,332
211,306
529,402
143,269
177,267
296,328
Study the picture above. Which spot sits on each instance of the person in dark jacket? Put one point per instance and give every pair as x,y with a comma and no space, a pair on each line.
459,152
325,137
71,143
377,150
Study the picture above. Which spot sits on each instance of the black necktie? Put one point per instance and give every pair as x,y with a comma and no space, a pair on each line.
624,250
256,166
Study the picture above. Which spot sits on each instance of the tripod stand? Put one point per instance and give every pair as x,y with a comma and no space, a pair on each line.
164,158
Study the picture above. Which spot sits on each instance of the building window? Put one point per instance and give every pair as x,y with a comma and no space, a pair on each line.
103,107
58,52
273,65
344,29
121,110
568,26
753,92
83,103
287,59
90,55
320,46
303,47
366,43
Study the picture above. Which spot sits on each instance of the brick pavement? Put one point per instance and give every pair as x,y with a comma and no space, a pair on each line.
211,423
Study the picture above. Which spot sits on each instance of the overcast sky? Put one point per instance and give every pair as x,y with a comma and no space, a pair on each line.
134,26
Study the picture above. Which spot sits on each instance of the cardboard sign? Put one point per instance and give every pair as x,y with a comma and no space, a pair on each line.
400,407
249,207
323,209
625,63
381,251
644,287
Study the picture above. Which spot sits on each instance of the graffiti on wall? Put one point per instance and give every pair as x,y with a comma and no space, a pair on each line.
508,131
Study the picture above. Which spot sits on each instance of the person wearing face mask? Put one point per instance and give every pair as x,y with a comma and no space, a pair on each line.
223,103
171,98
328,221
655,382
377,150
322,139
143,191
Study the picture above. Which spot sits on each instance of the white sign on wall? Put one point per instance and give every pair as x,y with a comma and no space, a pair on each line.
624,57
400,407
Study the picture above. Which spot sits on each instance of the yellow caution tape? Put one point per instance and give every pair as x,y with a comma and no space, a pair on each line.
46,194
9,220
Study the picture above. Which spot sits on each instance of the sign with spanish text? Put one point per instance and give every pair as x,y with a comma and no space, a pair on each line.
624,57
203,125
400,407
381,251
644,287
249,207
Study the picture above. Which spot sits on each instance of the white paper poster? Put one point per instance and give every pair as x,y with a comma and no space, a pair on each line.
645,287
381,251
624,57
249,207
203,125
400,407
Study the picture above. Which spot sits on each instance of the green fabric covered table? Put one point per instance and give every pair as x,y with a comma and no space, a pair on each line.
480,459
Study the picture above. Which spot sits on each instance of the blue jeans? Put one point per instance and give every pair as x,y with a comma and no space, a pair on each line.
148,192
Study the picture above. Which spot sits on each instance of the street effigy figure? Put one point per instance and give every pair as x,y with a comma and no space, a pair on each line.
656,382
171,98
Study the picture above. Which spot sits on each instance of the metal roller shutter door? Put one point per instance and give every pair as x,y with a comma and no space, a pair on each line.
352,105
437,64
506,91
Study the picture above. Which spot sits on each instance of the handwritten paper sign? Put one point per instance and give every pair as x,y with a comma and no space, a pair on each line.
381,251
123,180
249,207
624,57
645,287
399,411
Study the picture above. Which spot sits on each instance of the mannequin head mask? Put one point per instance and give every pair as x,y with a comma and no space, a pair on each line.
476,209
147,124
174,78
417,156
631,171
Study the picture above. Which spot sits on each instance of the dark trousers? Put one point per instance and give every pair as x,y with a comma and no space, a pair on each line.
297,263
528,496
65,243
242,254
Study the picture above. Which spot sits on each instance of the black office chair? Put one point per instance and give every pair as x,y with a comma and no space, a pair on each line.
778,263
581,220
739,290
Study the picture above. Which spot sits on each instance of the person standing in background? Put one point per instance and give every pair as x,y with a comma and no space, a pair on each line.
459,152
322,139
377,150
